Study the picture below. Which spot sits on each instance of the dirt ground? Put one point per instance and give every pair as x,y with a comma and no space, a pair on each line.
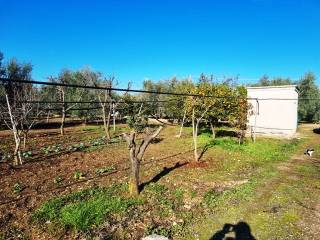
38,176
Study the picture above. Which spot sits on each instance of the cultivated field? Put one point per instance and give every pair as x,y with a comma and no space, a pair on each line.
75,187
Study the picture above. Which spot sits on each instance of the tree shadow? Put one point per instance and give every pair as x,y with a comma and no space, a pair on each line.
156,140
226,133
241,231
205,149
219,132
161,174
316,130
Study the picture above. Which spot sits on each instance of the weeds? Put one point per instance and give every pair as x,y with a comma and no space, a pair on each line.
76,147
103,170
52,149
27,154
99,141
17,188
57,180
78,175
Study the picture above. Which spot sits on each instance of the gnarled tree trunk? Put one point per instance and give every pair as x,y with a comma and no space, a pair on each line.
136,155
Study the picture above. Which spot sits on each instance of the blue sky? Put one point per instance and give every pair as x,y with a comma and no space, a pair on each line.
158,39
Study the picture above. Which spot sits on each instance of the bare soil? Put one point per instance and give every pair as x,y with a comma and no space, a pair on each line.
37,175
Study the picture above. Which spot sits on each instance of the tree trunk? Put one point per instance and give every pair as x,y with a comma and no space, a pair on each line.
48,115
114,118
108,125
134,180
242,134
25,136
195,124
135,165
106,122
212,130
17,160
63,119
85,121
136,155
182,123
17,154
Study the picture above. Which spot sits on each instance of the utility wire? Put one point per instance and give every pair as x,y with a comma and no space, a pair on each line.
91,102
136,91
107,88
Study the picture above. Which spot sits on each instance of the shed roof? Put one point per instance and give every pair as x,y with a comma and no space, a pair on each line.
267,87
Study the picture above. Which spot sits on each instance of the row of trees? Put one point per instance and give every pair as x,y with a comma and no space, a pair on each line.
208,103
24,105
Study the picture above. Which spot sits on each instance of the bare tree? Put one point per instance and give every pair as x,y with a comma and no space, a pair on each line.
68,93
19,113
23,115
106,97
107,103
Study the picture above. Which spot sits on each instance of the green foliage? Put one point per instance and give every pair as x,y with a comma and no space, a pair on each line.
76,147
99,141
137,122
176,105
105,170
156,189
179,195
159,230
309,110
17,188
210,198
57,180
266,81
78,175
228,143
27,154
49,211
52,149
86,209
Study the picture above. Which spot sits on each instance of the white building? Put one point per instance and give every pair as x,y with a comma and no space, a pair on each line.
274,110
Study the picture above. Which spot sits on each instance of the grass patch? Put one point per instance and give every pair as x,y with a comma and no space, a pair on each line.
92,128
85,209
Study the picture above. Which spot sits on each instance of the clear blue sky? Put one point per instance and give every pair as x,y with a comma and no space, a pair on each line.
158,39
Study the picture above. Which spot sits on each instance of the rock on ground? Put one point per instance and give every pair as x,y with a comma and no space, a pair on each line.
155,237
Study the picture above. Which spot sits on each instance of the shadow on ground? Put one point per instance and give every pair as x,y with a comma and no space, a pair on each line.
161,174
239,231
316,130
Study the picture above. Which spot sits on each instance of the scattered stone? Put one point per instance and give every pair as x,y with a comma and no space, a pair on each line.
186,206
155,237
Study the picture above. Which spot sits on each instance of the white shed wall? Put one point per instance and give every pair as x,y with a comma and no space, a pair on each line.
274,117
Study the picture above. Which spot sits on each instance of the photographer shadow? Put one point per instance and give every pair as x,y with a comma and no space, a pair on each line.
241,231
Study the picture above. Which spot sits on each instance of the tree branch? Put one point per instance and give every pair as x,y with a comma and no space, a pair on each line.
146,141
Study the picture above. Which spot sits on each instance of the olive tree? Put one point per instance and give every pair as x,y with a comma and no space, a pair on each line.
138,124
68,94
19,112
